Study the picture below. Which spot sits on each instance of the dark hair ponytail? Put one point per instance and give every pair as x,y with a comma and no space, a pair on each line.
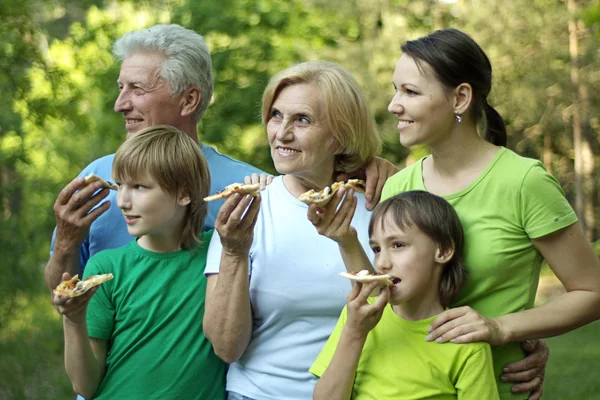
456,58
495,129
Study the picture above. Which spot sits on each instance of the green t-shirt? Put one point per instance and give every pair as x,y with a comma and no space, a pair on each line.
151,315
397,363
512,202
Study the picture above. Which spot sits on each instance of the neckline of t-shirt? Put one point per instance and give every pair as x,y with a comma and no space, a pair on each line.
418,324
148,253
473,184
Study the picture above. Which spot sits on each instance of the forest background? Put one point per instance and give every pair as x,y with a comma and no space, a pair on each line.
58,85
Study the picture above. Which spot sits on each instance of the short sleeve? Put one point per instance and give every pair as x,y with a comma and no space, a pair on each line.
101,311
213,258
544,208
476,380
326,355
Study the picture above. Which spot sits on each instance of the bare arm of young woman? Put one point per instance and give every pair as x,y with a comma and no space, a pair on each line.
228,314
574,262
337,381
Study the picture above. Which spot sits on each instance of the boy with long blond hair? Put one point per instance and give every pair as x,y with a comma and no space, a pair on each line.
140,335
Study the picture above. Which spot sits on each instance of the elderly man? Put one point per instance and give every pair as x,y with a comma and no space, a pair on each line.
165,78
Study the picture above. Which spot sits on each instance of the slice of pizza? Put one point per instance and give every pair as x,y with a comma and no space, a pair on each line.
365,276
323,197
105,184
75,287
357,184
320,198
241,188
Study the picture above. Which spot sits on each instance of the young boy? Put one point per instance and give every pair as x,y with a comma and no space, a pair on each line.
378,351
140,336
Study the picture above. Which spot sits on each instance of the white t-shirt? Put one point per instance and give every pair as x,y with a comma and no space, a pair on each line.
296,295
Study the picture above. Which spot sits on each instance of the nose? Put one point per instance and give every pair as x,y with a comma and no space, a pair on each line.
123,102
382,262
285,131
395,107
123,198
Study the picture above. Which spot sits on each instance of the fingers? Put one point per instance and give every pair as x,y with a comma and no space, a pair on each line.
227,208
366,291
372,172
238,215
520,377
531,386
356,289
67,193
446,316
537,393
536,359
265,180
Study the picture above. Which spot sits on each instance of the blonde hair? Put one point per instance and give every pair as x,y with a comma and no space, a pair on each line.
344,106
176,162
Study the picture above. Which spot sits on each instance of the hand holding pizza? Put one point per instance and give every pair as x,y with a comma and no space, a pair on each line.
73,209
362,316
334,222
73,308
235,223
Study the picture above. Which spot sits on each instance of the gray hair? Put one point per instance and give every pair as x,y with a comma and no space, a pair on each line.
186,62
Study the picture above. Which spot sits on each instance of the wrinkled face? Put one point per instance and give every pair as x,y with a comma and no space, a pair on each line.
421,103
300,140
145,98
409,256
150,211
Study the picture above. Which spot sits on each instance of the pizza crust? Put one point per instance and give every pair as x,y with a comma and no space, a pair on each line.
241,188
75,287
323,197
365,277
105,184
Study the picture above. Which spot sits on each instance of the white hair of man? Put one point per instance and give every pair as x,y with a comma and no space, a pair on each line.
187,61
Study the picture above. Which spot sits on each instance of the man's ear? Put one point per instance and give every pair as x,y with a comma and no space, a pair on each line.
190,101
463,97
183,200
442,255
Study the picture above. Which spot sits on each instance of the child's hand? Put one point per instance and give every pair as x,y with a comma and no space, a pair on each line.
235,223
332,222
74,309
362,316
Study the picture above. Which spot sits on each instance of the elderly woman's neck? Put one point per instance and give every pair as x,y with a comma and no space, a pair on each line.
297,185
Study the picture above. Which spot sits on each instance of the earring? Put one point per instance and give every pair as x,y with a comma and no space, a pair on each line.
458,118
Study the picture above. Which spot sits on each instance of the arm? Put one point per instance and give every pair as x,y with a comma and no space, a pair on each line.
73,221
338,379
85,358
574,262
228,315
335,223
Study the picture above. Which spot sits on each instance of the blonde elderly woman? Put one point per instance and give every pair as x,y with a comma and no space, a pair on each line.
273,293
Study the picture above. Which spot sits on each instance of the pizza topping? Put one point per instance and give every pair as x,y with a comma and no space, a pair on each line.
323,197
75,287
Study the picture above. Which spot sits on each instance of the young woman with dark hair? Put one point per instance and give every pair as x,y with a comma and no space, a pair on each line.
513,212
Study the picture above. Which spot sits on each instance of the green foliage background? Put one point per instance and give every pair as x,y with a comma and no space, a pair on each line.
58,85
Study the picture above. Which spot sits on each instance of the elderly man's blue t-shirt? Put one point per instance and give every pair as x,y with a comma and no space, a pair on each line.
109,231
